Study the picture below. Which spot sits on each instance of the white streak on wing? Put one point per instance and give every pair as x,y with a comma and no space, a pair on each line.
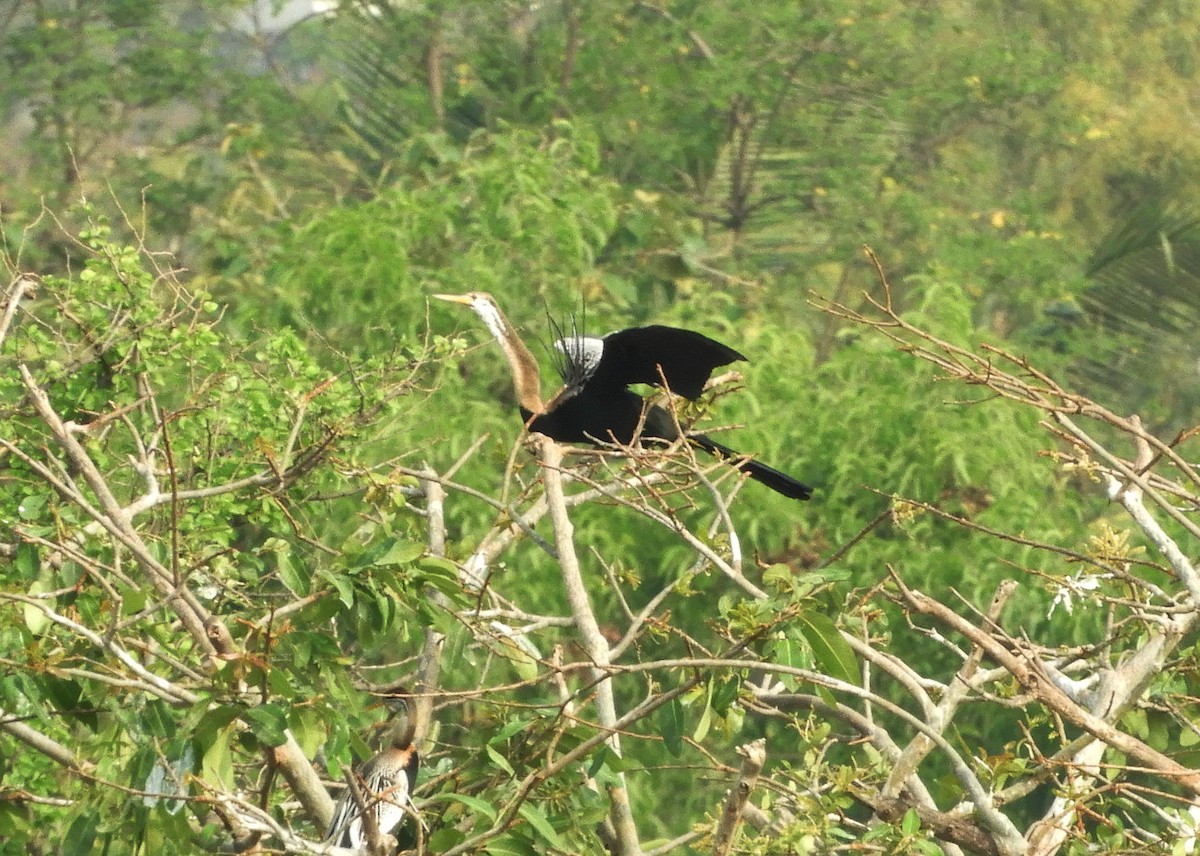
388,798
583,355
385,793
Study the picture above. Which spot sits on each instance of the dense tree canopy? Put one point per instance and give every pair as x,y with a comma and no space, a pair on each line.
254,481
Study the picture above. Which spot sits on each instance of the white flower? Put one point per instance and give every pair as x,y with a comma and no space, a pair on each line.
1079,584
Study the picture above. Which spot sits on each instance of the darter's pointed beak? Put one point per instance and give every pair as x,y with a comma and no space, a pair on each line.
464,299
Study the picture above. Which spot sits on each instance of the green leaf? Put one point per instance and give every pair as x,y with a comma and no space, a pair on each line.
81,836
217,766
401,553
606,763
35,617
1161,730
829,649
436,566
268,723
911,823
291,573
308,730
513,726
511,845
598,760
538,820
343,586
670,723
704,725
519,658
500,761
160,719
475,804
132,600
444,839
31,507
443,576
28,561
214,721
778,576
725,693
1136,723
279,682
706,715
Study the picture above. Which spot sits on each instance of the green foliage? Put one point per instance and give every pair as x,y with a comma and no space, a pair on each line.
1134,343
509,213
683,163
88,76
162,400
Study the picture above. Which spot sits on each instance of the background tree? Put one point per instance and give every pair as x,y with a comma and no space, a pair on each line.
186,637
266,478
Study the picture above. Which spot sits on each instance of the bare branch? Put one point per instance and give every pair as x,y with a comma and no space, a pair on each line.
1032,676
150,682
24,285
212,636
43,744
941,715
303,780
594,643
754,755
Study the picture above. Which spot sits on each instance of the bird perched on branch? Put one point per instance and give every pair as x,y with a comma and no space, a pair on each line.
596,404
382,788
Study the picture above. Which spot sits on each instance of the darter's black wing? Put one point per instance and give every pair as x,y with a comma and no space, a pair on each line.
592,413
686,360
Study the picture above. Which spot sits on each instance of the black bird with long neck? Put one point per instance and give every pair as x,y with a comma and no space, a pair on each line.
385,785
596,404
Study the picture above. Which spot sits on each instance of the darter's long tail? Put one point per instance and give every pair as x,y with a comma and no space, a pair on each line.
760,472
